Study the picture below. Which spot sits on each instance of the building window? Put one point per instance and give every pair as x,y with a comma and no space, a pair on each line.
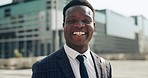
6,50
29,30
136,21
21,36
29,48
36,29
48,4
7,12
1,50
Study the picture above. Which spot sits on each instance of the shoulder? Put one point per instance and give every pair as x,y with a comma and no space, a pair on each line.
105,64
42,64
101,59
47,62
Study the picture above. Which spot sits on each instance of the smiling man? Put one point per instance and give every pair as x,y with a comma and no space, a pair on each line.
74,59
78,27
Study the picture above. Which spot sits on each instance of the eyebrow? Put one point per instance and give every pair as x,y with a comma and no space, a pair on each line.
75,16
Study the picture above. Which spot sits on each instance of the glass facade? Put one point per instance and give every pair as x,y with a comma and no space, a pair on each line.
25,27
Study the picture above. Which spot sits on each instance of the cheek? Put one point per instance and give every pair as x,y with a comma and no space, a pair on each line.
91,28
66,31
93,25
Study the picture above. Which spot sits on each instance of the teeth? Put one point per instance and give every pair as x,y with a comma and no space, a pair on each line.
79,33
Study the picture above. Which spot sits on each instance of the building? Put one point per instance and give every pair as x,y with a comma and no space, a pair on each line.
116,33
34,28
29,26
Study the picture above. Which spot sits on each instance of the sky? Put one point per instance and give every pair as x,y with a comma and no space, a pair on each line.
123,7
3,2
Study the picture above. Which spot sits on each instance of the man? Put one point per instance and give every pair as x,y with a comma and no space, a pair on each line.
78,24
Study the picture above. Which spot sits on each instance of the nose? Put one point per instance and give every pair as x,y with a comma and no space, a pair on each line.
79,24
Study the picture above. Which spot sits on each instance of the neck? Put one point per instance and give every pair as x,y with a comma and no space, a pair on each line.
81,49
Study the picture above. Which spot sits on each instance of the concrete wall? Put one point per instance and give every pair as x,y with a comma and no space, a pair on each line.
18,63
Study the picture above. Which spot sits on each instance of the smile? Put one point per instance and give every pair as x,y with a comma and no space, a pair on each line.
79,33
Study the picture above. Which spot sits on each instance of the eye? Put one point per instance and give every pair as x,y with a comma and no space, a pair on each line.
87,21
71,21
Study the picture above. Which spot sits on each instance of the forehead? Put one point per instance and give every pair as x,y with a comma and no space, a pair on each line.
79,8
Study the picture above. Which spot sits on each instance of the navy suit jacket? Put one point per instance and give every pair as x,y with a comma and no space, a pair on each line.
57,65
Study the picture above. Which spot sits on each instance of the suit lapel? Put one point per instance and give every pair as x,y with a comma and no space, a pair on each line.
97,62
65,64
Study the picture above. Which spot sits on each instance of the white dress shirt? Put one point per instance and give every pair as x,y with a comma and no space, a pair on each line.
72,54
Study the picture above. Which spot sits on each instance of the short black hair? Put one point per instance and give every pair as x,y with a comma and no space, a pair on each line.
77,2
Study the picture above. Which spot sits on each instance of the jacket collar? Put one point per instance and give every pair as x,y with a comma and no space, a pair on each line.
65,64
66,67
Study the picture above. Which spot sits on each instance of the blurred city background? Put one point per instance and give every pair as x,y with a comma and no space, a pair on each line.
32,29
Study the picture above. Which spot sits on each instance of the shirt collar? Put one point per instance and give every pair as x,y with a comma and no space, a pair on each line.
73,53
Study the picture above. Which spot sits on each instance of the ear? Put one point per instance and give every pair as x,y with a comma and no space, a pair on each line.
94,25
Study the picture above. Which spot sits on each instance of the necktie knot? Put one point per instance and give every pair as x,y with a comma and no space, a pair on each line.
80,58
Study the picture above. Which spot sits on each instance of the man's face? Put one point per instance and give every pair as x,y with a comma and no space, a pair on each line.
78,26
